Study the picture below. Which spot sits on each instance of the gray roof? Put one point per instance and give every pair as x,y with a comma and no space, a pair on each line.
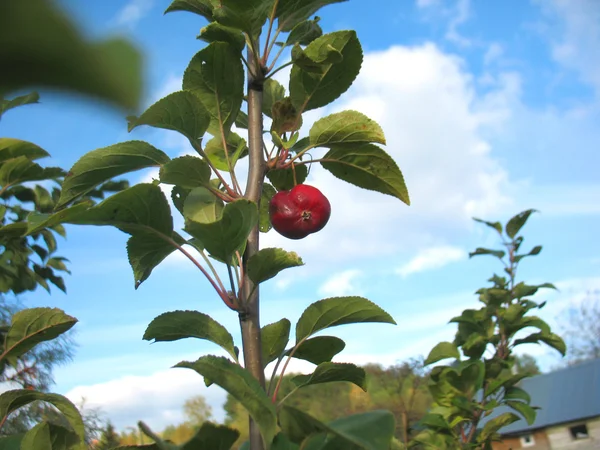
564,395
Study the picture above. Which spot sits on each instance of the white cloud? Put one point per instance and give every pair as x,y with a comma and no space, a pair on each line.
342,283
493,53
133,12
156,399
432,258
575,36
460,15
435,125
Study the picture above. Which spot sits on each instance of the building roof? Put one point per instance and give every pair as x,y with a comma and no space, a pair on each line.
564,395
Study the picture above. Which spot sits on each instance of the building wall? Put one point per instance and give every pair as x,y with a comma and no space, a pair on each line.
514,442
560,436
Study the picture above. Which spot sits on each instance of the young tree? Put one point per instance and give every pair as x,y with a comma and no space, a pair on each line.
109,438
481,377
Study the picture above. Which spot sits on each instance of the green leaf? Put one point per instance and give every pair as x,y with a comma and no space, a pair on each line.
241,121
246,15
367,166
187,172
515,224
10,401
180,111
319,349
275,337
46,435
212,436
346,127
283,179
176,325
264,218
516,393
227,235
236,149
286,117
13,148
103,164
31,326
554,341
534,251
524,409
215,32
26,99
298,425
328,372
20,170
435,421
310,90
372,430
336,311
215,74
495,225
201,7
290,13
202,206
145,252
494,425
441,351
243,387
273,92
486,251
305,32
39,46
268,262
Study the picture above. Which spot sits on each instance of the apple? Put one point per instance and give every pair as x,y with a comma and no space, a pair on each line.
301,211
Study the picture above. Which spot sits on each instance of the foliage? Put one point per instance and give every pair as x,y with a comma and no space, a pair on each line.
580,324
40,47
481,377
109,438
222,221
401,389
197,410
29,328
526,364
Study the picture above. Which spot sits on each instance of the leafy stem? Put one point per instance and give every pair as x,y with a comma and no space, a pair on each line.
287,361
196,146
267,41
283,66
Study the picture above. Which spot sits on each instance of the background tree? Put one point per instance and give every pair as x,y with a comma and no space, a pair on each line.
526,364
580,324
109,438
402,389
197,410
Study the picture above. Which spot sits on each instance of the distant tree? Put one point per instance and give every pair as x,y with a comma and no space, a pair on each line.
179,434
197,410
402,389
580,325
526,364
109,438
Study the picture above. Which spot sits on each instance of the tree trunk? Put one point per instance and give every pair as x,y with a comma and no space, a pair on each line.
250,318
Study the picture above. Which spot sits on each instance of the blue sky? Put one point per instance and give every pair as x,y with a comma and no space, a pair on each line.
489,108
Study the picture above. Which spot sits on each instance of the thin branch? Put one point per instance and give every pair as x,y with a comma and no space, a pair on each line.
199,150
283,66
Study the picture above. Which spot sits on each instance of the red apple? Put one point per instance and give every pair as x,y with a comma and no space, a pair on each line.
301,211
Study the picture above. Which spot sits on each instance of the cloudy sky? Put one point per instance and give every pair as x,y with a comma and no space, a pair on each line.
489,108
